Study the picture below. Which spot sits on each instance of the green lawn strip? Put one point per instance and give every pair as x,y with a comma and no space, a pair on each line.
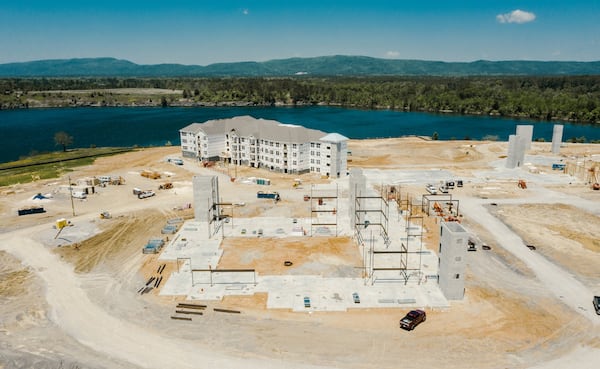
51,165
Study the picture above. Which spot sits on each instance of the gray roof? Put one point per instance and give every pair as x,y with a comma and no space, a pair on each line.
334,138
260,128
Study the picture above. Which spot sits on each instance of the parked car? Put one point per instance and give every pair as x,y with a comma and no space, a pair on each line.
356,298
413,319
596,303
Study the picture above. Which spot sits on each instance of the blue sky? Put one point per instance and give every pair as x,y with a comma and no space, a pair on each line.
204,32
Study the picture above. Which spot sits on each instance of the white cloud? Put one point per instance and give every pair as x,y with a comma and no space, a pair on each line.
516,16
392,54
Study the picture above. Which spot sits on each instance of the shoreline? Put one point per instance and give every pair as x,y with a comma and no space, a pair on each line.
249,104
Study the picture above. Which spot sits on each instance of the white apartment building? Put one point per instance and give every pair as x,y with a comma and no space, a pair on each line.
269,144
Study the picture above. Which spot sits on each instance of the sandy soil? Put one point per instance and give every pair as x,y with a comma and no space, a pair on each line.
509,318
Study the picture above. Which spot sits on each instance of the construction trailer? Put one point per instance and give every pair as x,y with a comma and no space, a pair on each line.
31,210
268,195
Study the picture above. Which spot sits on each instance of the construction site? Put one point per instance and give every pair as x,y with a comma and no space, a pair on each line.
168,262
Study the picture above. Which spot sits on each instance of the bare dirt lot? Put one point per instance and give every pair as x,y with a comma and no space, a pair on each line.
507,319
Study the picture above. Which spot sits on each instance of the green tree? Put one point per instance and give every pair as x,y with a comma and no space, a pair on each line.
435,136
63,139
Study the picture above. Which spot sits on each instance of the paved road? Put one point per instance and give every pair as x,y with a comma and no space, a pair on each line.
559,281
90,324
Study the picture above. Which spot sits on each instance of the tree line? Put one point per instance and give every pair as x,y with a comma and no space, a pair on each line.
570,98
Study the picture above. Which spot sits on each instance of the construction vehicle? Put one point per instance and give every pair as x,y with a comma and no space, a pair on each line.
145,194
522,184
150,174
165,186
105,215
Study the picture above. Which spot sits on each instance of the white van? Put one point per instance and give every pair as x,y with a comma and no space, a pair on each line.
79,194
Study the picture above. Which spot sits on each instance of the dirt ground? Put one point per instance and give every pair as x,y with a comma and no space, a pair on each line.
507,318
267,256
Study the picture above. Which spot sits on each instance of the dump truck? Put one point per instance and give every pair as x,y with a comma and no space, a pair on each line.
268,195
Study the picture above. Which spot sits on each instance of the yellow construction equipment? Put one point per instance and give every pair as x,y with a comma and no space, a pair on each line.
150,174
165,186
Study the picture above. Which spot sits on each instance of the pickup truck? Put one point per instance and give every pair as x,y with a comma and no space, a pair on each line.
145,194
431,189
413,319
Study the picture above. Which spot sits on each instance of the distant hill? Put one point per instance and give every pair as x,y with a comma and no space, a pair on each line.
338,65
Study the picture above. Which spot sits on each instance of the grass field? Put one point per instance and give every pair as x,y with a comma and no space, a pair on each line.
51,165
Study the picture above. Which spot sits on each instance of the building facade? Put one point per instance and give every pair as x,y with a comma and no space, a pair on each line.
268,144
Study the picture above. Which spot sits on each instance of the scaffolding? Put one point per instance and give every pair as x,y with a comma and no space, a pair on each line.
413,224
323,211
443,205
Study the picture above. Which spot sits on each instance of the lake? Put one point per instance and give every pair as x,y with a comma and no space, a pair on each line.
32,130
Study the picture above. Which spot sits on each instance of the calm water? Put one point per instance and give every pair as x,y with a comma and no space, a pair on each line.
25,131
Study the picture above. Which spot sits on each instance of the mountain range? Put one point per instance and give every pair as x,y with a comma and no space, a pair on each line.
338,65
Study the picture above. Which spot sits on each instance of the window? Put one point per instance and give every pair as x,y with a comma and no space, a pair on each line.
183,140
312,153
312,161
456,276
294,155
312,144
318,146
318,161
318,153
276,144
293,162
294,146
318,170
440,247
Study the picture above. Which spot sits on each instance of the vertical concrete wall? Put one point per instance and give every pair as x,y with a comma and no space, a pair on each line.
452,260
358,187
206,195
526,131
516,151
557,133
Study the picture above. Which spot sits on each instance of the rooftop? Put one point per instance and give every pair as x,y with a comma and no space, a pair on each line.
259,128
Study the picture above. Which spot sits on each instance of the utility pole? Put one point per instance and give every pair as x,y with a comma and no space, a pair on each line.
71,195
